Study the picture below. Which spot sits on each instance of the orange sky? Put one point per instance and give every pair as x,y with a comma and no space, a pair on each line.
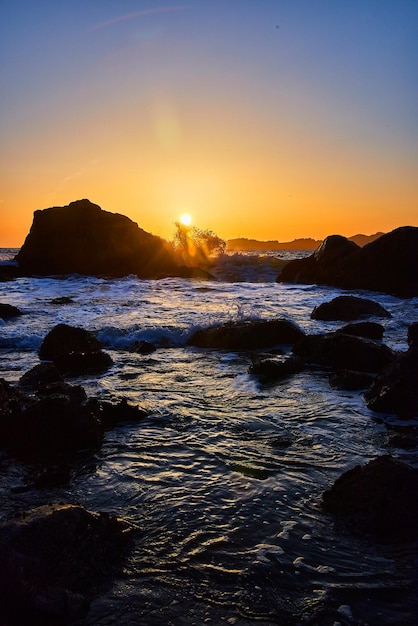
271,133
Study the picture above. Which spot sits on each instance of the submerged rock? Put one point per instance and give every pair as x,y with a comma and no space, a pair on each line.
7,311
81,363
348,308
378,499
339,351
247,335
113,413
142,347
395,389
52,559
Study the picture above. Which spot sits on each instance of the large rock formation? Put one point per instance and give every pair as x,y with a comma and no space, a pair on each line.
388,264
81,238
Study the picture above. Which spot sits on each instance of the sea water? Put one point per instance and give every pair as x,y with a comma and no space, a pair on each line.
223,480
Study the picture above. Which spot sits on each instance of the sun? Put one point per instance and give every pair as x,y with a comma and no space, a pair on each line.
186,219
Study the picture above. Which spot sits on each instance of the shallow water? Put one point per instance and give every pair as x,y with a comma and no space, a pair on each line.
223,479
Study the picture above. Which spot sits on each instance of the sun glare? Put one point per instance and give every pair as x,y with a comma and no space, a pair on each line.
186,219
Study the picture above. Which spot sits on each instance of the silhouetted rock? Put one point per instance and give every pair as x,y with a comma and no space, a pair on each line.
413,335
395,389
319,267
7,311
349,380
81,238
369,330
379,498
52,559
64,339
348,308
339,352
39,376
388,264
81,363
247,335
273,370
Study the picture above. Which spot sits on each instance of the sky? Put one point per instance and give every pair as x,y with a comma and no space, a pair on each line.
266,119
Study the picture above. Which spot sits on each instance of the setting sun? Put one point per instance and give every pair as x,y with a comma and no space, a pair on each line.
186,219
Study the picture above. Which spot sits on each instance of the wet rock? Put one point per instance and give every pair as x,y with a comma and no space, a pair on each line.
274,370
113,413
344,352
81,238
7,311
59,421
81,363
52,559
64,339
369,330
377,499
142,347
389,264
413,335
62,300
395,389
348,308
39,376
347,380
247,335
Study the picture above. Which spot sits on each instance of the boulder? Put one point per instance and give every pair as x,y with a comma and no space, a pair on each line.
7,311
39,376
320,266
377,499
395,389
339,352
348,380
81,363
81,238
274,370
348,308
59,420
389,264
52,559
247,335
113,413
64,339
369,330
141,347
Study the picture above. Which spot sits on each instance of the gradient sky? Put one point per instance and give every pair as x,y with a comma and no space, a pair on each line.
271,119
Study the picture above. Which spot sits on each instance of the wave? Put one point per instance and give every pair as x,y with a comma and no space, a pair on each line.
253,267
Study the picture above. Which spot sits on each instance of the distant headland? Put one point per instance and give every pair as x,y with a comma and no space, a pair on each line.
243,243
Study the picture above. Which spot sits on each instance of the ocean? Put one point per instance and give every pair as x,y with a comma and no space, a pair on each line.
223,480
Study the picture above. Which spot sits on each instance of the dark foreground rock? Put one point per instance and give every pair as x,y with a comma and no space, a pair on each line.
348,308
389,264
81,238
344,352
8,311
413,335
40,376
379,499
347,380
58,421
247,335
274,370
52,560
395,389
369,330
74,351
